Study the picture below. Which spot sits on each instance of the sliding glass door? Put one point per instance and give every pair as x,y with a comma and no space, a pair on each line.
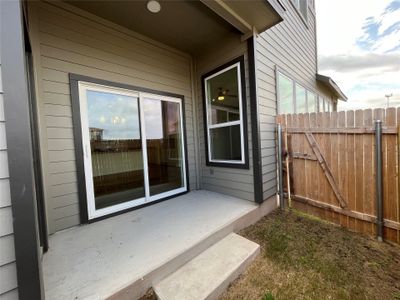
133,148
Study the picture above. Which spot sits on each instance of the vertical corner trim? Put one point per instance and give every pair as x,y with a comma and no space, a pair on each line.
255,122
19,146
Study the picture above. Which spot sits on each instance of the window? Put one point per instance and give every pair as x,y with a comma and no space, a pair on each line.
285,88
311,102
293,97
321,105
301,6
225,112
300,99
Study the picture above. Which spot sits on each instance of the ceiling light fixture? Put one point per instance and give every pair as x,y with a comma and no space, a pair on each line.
154,6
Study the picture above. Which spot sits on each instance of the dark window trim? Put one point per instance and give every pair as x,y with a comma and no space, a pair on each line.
76,119
244,165
19,149
255,123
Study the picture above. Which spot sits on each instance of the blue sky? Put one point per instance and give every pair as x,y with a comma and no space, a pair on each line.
359,47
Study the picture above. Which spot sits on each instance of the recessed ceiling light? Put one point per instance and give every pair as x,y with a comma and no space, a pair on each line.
154,6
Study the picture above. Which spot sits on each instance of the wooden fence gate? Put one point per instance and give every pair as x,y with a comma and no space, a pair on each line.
330,167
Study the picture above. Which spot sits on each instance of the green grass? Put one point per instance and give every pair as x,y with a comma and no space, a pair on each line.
303,257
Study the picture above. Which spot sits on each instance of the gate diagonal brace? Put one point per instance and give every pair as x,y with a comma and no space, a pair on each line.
326,169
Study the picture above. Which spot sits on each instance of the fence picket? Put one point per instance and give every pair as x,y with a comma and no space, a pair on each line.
346,142
342,163
391,174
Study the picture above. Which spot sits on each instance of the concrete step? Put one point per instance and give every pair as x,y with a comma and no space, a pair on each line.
207,275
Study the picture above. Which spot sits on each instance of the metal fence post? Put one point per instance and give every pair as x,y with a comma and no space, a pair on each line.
379,192
280,171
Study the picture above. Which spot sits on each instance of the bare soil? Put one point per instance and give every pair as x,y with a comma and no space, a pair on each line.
303,257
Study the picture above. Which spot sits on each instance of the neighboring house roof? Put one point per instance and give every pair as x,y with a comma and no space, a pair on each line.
329,83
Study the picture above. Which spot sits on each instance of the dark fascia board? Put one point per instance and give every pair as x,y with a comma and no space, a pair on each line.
245,165
76,119
19,146
328,81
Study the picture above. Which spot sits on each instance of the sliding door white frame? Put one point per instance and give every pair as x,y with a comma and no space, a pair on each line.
141,97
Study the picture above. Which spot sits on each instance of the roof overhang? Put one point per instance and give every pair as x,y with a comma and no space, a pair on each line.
330,84
248,16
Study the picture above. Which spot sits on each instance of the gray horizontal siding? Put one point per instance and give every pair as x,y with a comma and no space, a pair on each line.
291,47
69,41
8,270
235,182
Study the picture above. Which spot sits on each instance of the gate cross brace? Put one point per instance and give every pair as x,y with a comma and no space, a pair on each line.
326,169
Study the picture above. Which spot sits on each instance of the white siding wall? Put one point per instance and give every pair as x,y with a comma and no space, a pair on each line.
67,40
234,182
8,271
290,46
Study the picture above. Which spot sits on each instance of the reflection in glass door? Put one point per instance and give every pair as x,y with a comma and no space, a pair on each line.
164,143
133,148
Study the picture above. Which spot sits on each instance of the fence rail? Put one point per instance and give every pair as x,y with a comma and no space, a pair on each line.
330,167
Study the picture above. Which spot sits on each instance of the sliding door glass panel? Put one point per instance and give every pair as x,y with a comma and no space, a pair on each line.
164,145
116,148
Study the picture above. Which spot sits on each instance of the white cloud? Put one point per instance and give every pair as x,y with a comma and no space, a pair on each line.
353,40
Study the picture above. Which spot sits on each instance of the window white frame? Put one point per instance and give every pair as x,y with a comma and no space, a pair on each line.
239,122
319,99
87,156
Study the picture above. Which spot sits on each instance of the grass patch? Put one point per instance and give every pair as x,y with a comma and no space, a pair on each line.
303,257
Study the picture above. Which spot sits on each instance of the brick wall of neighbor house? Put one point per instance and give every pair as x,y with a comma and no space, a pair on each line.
234,182
290,46
8,271
68,40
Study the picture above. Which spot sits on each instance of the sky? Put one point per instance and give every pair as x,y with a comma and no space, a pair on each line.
359,47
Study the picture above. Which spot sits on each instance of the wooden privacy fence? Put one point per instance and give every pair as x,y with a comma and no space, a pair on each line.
330,167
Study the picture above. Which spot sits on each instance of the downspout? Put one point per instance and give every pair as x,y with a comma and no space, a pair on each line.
378,162
280,166
255,122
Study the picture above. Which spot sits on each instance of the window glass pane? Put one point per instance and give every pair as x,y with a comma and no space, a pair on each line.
116,148
321,104
311,102
303,8
225,143
164,145
300,99
285,88
233,117
222,96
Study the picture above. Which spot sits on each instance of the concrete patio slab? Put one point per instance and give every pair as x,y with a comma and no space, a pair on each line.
114,257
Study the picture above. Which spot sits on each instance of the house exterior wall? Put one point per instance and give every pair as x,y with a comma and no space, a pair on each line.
230,181
8,270
289,46
67,40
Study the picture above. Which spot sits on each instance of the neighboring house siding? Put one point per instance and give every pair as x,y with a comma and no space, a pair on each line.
8,271
67,40
289,46
230,181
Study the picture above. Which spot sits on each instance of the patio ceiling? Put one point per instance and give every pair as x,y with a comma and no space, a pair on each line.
190,26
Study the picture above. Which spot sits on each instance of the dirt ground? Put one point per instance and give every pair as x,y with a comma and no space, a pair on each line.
303,257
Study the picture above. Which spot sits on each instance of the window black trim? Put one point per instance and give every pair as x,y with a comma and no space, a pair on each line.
76,119
244,165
